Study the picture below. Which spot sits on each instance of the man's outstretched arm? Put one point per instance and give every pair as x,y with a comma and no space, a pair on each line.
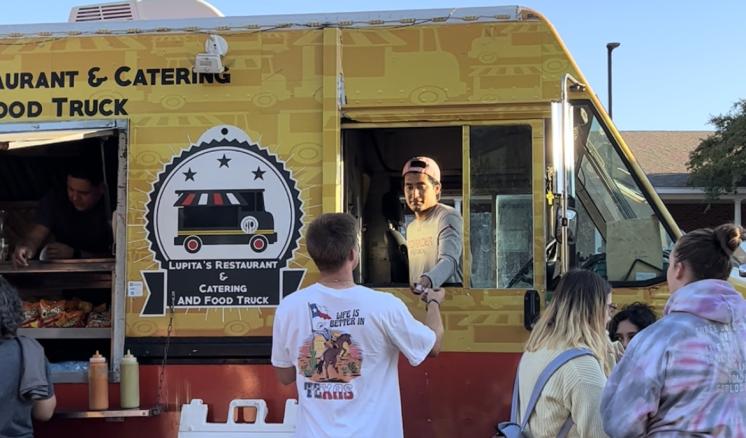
433,298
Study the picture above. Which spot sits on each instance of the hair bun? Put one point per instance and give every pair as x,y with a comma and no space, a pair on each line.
729,236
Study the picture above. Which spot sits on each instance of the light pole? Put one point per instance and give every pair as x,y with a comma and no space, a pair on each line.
609,48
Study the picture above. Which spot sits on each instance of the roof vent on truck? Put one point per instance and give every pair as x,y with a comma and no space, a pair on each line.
143,10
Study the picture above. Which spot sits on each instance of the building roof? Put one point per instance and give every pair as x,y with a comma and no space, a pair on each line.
663,154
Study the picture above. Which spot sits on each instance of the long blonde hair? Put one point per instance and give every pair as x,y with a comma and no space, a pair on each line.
576,317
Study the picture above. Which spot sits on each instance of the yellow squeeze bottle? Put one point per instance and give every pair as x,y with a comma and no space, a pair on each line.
129,386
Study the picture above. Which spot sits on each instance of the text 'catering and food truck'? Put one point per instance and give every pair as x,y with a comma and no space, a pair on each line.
123,76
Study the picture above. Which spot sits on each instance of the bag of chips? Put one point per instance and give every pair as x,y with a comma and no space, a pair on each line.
100,317
78,304
71,318
51,311
31,317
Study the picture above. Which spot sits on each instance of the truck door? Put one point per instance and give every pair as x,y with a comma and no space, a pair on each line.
621,234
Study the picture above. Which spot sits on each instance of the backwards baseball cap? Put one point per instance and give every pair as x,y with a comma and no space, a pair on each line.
425,165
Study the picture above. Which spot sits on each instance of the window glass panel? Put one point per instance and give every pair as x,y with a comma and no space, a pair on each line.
619,235
501,226
250,198
209,217
259,202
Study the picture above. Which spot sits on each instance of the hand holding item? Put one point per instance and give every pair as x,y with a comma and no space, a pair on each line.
59,250
422,285
22,255
436,295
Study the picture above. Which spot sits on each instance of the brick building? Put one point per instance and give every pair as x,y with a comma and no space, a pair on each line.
663,156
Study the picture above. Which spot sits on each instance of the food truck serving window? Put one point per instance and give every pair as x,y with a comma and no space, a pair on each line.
373,191
499,229
68,279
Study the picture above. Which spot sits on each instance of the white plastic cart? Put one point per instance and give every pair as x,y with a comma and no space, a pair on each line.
193,422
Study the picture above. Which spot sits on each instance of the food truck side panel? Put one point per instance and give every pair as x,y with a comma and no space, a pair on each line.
412,72
269,114
407,72
281,132
104,77
455,64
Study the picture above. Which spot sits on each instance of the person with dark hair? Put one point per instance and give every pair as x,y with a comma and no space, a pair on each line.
26,390
78,220
685,375
575,318
435,236
340,342
629,321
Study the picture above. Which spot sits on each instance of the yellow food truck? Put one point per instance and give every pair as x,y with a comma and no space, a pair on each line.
222,138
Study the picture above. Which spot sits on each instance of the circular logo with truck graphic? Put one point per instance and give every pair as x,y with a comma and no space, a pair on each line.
223,219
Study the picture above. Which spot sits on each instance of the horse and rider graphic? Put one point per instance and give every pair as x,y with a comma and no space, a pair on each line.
336,349
328,355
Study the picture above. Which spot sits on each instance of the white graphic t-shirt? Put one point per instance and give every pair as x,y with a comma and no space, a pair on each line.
345,344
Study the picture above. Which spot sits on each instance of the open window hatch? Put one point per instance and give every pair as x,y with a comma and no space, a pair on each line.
69,300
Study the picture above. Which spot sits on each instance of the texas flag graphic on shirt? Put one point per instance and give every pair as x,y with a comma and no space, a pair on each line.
319,312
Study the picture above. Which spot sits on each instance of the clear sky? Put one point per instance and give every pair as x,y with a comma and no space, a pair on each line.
680,61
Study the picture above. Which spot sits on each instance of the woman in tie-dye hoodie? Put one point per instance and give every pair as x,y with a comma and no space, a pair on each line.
685,375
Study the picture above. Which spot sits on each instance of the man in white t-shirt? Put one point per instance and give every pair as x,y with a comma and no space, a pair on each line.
340,342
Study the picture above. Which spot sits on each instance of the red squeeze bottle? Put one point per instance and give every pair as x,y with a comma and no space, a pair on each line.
98,383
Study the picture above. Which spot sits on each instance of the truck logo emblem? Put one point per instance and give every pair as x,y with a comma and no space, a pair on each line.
223,219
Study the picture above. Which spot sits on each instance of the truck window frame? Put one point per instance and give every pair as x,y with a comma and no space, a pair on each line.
121,132
594,113
538,127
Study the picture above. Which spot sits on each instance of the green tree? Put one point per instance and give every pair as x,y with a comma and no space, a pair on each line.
719,162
